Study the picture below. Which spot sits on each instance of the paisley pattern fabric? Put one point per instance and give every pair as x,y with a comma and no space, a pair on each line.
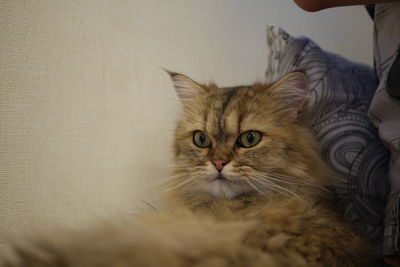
340,95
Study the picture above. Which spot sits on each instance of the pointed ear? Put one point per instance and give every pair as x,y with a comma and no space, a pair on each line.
292,91
185,88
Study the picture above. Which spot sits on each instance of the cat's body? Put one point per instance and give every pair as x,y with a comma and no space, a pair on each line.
249,189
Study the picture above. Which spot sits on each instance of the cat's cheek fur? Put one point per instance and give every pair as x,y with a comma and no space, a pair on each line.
191,154
232,173
210,173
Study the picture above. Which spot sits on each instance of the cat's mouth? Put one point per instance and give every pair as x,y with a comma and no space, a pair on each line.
222,178
225,186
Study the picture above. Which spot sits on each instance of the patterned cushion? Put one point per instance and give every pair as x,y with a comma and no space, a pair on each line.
340,95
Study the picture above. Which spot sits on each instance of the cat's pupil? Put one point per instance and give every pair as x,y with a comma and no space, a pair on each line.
250,137
202,138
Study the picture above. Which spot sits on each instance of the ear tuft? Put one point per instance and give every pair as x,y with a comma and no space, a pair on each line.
292,90
185,88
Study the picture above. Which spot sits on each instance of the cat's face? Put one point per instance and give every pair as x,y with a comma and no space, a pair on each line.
234,141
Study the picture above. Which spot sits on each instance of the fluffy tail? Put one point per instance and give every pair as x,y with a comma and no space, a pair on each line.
160,240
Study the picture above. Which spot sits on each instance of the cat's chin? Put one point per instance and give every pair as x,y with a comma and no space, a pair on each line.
223,188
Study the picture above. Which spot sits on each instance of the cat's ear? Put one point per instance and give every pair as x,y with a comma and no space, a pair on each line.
292,91
185,88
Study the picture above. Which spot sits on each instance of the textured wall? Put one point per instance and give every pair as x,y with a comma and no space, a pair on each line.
85,111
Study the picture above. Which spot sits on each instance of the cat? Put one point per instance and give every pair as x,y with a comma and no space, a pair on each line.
249,188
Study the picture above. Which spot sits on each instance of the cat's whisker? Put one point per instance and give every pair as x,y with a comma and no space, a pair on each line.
255,187
176,180
179,164
175,176
290,180
179,168
169,178
183,169
172,188
286,177
187,183
160,181
270,178
282,180
269,185
300,182
156,181
189,180
289,192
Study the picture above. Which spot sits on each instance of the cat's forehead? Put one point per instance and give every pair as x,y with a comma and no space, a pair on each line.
225,112
240,102
222,99
222,118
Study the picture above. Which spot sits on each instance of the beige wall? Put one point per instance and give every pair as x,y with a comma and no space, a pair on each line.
86,113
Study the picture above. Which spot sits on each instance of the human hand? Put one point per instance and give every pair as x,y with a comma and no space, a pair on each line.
316,5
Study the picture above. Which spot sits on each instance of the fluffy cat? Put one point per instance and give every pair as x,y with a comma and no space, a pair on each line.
249,189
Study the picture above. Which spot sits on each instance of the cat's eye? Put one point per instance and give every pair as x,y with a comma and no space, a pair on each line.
200,139
249,139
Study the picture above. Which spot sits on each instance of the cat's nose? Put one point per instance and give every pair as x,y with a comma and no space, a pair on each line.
220,163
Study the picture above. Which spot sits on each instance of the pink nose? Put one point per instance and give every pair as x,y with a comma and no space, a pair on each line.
219,164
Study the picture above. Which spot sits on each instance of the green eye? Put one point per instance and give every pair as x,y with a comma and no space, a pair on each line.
249,139
200,139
